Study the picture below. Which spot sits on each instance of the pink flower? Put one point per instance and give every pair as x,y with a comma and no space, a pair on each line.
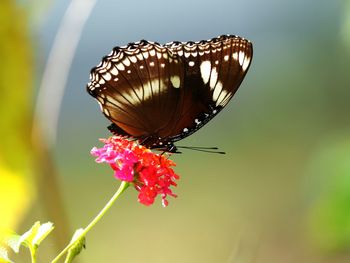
150,173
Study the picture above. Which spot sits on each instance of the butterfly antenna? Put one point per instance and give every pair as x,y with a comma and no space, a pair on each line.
202,149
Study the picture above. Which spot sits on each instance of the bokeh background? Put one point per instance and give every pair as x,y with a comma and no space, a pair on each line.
280,194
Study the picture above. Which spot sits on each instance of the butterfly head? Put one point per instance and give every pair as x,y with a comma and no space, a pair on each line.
149,141
165,147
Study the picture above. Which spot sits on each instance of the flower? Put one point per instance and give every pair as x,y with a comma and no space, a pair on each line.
150,173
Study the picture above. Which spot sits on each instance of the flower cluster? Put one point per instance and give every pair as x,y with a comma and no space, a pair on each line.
150,173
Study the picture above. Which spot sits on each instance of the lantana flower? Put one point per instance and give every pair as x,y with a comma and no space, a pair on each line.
150,173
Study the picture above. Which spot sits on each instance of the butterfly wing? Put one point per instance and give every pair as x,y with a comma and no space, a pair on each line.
138,88
214,70
161,94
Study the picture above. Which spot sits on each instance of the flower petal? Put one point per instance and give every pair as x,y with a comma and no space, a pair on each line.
150,173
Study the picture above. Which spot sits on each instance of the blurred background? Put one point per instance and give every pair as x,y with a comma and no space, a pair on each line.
280,194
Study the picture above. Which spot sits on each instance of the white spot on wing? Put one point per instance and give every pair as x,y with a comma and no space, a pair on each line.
226,58
126,62
235,56
114,71
213,78
191,63
120,66
205,71
152,52
106,112
221,99
241,57
175,80
107,76
133,59
217,91
246,63
145,54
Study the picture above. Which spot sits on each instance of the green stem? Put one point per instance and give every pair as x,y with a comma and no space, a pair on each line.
33,255
120,190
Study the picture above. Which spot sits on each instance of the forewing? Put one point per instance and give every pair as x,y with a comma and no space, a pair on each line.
134,86
214,70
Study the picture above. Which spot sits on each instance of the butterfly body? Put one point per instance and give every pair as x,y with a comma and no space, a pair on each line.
160,94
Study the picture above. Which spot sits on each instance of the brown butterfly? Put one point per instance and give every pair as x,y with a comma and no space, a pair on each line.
160,94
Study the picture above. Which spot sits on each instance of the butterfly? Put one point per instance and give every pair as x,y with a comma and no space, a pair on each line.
160,94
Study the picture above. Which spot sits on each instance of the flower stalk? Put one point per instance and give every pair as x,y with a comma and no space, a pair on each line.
33,256
123,186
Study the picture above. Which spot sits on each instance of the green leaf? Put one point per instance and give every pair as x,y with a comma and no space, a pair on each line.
28,237
13,242
32,238
79,244
42,233
4,257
